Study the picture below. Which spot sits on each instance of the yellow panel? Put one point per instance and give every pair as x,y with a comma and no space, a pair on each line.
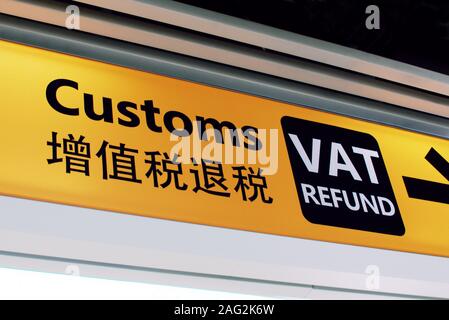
28,120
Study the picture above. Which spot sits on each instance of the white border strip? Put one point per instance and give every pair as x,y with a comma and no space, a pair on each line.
52,230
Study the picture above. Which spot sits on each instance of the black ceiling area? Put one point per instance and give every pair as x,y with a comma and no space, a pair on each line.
411,31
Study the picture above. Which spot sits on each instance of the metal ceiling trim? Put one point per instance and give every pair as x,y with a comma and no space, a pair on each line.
221,51
205,21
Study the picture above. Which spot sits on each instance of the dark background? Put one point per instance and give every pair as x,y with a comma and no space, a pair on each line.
411,31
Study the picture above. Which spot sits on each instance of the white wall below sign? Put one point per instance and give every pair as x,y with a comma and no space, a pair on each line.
50,237
25,285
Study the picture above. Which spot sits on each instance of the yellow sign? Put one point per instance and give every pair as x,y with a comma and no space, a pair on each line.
90,134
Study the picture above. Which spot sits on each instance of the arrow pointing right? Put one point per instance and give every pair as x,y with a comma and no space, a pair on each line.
429,190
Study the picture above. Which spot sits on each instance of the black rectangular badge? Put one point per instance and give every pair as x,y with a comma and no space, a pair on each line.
341,178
